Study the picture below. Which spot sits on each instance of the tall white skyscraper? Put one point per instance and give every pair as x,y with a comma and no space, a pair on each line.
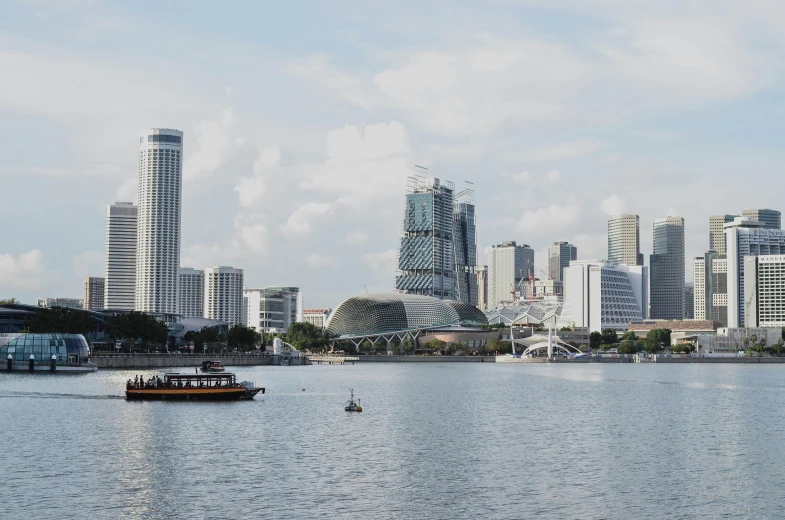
223,294
273,309
559,256
190,302
667,268
624,240
120,268
158,229
508,263
746,237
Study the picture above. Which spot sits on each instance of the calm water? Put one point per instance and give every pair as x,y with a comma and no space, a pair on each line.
435,441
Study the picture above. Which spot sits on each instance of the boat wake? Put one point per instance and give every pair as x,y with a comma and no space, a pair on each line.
44,395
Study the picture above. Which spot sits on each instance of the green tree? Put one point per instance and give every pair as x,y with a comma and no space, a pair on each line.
627,347
595,340
609,337
8,301
778,347
434,345
137,326
497,345
307,336
203,338
629,335
245,338
656,340
62,320
407,345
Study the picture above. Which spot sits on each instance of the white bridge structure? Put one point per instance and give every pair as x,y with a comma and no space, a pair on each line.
539,345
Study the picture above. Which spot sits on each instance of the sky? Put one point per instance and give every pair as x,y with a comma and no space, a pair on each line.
302,120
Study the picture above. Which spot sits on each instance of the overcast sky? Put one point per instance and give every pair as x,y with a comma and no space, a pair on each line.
302,121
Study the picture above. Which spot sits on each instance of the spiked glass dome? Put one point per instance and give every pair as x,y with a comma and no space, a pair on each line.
384,313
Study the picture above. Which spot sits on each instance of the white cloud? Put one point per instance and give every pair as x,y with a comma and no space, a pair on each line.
127,190
212,138
23,273
384,262
613,205
89,263
355,238
561,151
520,178
544,222
554,176
672,212
320,261
252,189
301,221
251,233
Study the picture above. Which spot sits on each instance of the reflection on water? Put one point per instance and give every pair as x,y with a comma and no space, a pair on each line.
434,441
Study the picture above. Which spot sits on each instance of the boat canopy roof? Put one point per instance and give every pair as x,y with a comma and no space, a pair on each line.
176,376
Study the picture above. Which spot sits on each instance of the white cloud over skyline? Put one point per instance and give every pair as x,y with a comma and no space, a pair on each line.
296,156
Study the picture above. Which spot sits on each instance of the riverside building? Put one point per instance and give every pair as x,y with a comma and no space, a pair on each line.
93,299
273,309
746,237
560,254
223,294
465,246
604,295
426,259
316,317
717,232
764,291
770,218
190,301
120,268
667,269
710,297
158,229
482,286
67,303
508,264
624,240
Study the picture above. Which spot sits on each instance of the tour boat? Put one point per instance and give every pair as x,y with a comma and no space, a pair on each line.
212,366
191,387
351,406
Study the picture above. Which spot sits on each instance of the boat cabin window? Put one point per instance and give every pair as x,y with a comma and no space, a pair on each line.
200,381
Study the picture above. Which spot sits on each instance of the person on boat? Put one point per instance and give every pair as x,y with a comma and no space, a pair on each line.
141,380
136,381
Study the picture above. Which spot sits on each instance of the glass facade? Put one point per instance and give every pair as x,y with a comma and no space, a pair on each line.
70,349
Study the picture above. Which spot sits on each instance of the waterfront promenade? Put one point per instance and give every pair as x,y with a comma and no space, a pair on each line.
121,361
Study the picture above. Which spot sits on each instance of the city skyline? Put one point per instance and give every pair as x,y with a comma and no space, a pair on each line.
298,180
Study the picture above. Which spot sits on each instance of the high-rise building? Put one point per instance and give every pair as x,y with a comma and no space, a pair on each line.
120,268
158,229
689,301
710,298
667,269
93,299
717,232
603,295
465,246
508,264
273,309
770,218
559,256
426,259
764,291
624,240
482,286
67,303
190,300
223,294
746,237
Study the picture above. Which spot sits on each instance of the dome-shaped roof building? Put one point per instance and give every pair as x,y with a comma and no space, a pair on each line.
373,314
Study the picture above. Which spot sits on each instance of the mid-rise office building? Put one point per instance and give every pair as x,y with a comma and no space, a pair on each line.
508,264
67,303
624,240
426,258
93,299
273,309
689,301
120,268
603,295
190,300
223,294
746,237
465,246
481,273
158,229
710,297
770,218
316,317
717,232
667,269
560,254
764,291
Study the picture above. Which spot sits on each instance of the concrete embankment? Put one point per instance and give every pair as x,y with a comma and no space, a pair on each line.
425,359
174,361
745,360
